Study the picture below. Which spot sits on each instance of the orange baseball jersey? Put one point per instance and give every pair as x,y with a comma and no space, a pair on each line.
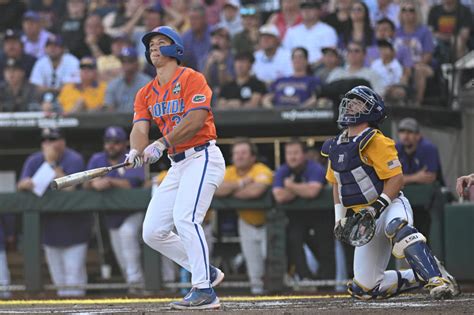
167,105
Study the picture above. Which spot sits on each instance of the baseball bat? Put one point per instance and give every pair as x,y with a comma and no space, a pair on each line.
81,177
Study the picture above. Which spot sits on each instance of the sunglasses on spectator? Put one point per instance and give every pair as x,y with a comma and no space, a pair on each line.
412,10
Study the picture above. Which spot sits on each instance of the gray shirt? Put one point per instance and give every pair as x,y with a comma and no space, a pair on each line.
120,96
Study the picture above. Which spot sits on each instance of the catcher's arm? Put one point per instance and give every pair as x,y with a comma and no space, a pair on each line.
339,210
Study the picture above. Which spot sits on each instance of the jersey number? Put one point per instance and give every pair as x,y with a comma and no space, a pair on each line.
176,119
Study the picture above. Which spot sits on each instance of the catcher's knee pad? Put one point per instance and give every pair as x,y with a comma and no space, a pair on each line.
410,244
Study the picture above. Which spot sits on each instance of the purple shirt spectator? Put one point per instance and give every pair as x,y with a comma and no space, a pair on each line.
135,177
313,172
402,54
293,91
62,229
196,49
426,155
418,42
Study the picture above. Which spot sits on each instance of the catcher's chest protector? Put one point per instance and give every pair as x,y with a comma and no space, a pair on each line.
358,182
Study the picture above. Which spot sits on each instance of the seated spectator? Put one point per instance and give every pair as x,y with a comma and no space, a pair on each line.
390,71
230,17
302,178
177,15
248,179
87,96
246,91
298,90
34,35
57,68
71,26
124,20
197,40
331,60
152,18
386,9
16,93
123,227
360,29
64,235
339,18
120,94
311,33
355,68
451,23
271,61
110,66
247,39
413,34
13,49
96,42
289,15
7,242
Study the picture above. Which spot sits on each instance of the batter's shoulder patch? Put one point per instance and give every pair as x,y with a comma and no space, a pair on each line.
198,98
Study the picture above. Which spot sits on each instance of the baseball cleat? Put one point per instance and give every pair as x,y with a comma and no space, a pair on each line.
440,288
198,299
216,275
445,274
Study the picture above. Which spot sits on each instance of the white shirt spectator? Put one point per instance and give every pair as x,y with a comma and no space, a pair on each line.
43,73
269,69
315,38
36,48
363,73
390,73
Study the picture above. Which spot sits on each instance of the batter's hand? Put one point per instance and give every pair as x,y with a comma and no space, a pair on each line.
464,182
153,152
134,158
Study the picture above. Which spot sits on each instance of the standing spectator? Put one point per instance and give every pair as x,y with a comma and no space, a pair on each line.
330,61
16,93
50,72
13,49
125,19
123,227
64,235
311,34
413,34
230,17
96,42
247,39
288,16
11,12
360,29
420,163
121,91
197,40
340,18
298,90
248,179
271,61
302,178
451,22
245,91
34,35
71,26
387,9
89,95
7,242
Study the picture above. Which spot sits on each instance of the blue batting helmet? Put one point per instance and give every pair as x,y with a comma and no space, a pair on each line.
175,50
370,108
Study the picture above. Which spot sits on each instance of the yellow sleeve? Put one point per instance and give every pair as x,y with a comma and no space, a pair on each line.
67,97
330,174
382,155
262,174
230,174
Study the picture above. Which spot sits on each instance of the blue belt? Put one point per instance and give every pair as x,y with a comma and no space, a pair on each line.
178,157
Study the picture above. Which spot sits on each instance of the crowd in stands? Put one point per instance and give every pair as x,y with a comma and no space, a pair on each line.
80,56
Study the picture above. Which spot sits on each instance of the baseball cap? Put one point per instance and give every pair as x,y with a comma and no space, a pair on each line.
55,40
409,124
13,63
269,29
217,28
233,3
87,63
51,134
326,50
115,133
248,10
129,53
310,4
12,34
155,8
32,16
386,42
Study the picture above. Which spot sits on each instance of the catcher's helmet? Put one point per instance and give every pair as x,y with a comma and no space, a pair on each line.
175,50
371,107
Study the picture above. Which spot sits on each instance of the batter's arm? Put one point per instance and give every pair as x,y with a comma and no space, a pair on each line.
139,135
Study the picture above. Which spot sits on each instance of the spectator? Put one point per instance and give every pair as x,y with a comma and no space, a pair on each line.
11,12
123,227
64,235
96,42
245,91
298,90
247,39
152,18
340,18
50,72
288,16
330,61
13,49
420,163
125,19
386,9
230,17
7,242
49,103
248,179
311,34
271,61
413,34
197,40
360,29
49,11
355,68
71,26
451,22
88,95
110,66
302,178
177,15
121,91
34,35
16,93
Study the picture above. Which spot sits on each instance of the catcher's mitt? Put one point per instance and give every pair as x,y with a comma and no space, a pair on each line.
356,230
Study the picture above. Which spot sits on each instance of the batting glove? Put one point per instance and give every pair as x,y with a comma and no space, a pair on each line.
376,208
154,151
134,158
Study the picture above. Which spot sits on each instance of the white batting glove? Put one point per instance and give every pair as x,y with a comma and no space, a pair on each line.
153,152
134,158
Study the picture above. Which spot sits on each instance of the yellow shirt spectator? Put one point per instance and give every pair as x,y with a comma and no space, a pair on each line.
259,173
92,97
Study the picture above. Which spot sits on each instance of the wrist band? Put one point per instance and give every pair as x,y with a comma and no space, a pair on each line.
339,211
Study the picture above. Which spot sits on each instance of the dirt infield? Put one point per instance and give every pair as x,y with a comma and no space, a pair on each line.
316,304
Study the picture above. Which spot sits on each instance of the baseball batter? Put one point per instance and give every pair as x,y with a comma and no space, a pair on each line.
367,177
178,101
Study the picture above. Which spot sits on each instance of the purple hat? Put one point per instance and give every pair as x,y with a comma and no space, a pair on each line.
31,15
129,53
55,40
115,133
